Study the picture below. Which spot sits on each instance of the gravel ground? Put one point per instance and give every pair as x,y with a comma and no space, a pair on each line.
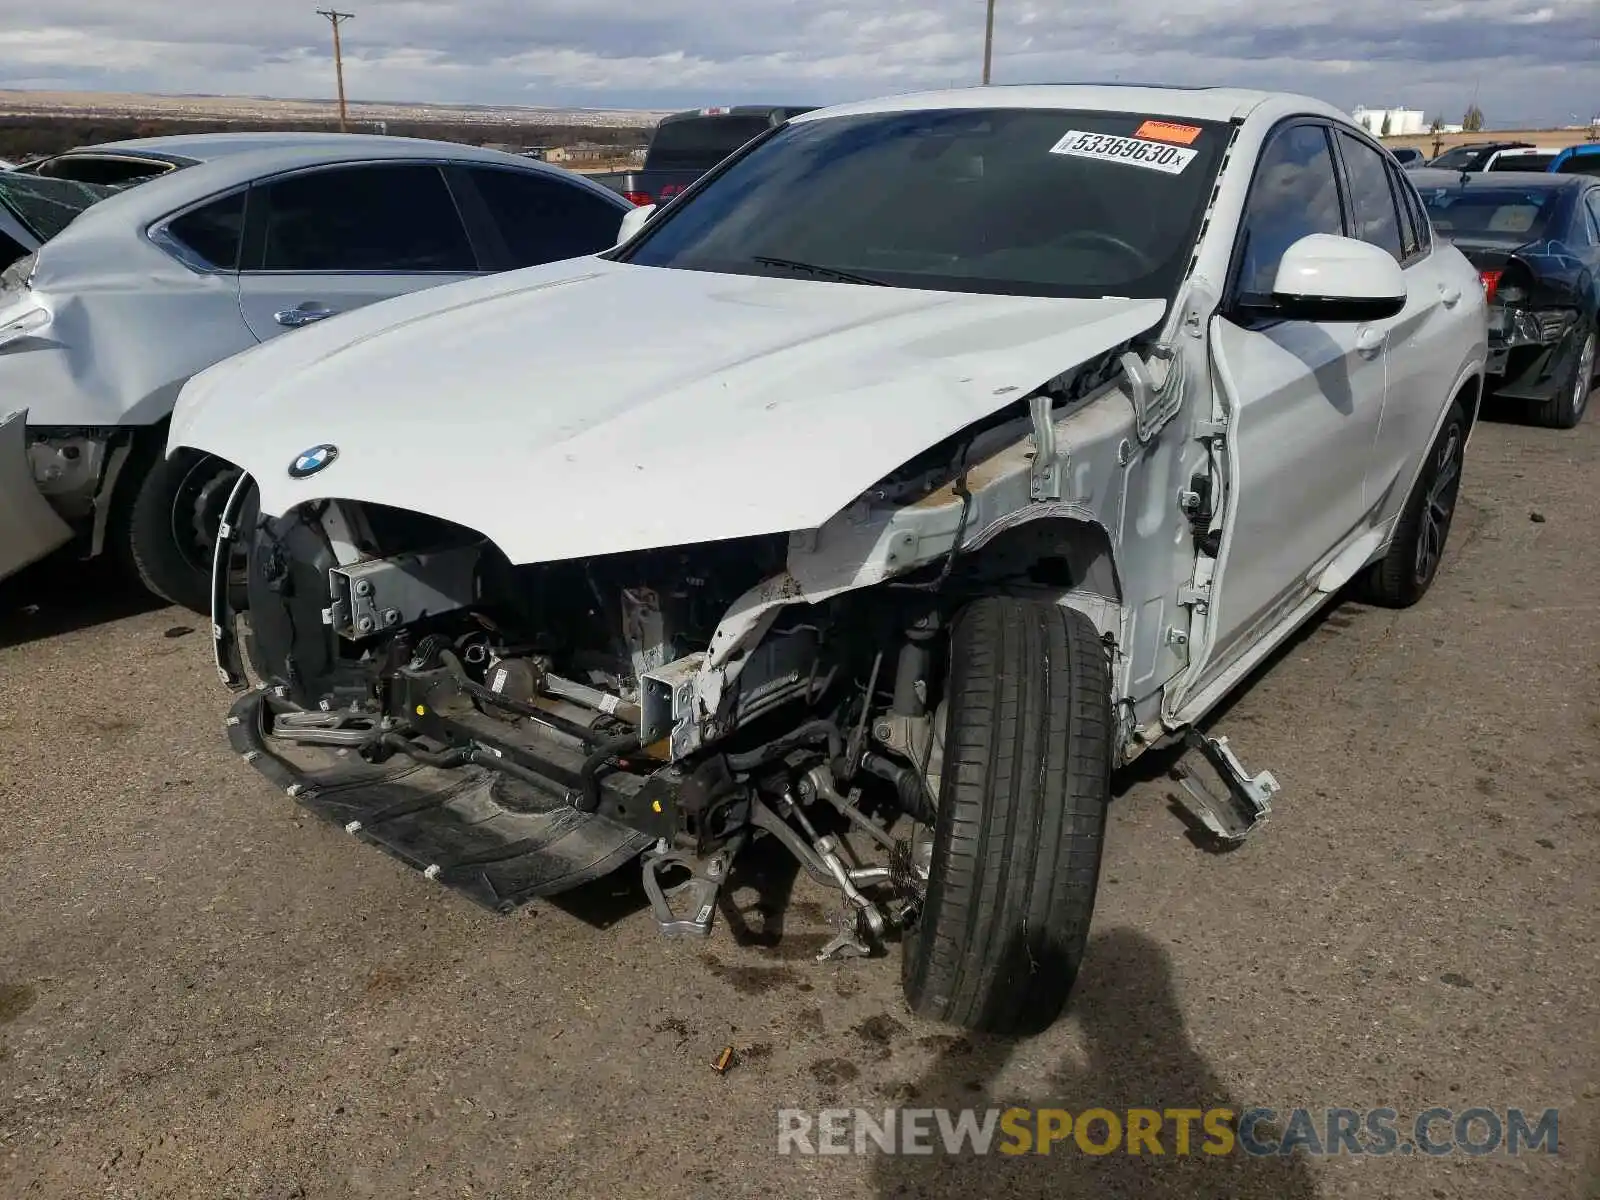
207,992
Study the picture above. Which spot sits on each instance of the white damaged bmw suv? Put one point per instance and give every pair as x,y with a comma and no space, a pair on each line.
921,464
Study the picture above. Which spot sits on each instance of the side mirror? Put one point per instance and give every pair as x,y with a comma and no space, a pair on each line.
1324,277
633,221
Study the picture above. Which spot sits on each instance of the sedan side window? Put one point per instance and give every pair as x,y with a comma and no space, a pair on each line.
212,233
396,218
1372,203
1594,217
1295,193
544,219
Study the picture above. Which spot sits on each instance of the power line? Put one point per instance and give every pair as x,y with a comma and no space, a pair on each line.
334,18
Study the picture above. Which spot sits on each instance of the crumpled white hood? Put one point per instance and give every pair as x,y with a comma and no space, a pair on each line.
590,407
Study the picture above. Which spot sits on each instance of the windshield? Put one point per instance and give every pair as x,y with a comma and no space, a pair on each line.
1513,216
46,206
700,143
1455,160
1031,202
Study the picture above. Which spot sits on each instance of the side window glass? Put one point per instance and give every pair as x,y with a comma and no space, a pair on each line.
1295,193
1372,208
1419,215
543,219
391,217
1409,237
212,233
1594,218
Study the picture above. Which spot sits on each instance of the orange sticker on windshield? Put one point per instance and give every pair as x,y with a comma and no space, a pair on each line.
1165,131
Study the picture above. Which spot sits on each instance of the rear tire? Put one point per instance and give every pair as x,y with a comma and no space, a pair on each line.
1566,408
170,521
1405,573
1021,820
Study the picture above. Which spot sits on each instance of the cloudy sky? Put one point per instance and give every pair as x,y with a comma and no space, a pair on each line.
1528,61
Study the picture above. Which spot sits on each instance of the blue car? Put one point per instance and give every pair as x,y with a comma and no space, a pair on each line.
1577,160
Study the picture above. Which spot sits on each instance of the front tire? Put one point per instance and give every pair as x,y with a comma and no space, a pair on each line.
1025,783
170,524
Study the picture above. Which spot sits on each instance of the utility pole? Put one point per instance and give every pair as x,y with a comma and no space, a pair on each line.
334,17
988,43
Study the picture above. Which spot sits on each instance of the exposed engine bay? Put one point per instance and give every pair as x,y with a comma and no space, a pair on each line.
561,707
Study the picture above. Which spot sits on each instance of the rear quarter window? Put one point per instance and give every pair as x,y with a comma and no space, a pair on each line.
212,234
1412,202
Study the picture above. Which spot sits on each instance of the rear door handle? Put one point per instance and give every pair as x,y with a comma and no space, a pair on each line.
1450,295
293,318
1369,341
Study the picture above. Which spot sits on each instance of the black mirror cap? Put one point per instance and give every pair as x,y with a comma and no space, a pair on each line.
1335,309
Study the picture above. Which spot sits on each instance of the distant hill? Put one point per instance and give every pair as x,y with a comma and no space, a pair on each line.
17,102
26,136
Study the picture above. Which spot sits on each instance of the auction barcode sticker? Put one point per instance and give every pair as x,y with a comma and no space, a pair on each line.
1136,152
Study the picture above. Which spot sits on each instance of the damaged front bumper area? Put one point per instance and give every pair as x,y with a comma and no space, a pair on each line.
30,527
474,828
412,767
395,699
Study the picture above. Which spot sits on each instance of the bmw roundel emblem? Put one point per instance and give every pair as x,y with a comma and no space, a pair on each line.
309,462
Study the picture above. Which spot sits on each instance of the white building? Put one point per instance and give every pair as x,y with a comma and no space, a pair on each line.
1399,120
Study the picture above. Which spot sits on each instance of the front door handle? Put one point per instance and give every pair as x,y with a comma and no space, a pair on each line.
1370,341
1450,295
293,318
